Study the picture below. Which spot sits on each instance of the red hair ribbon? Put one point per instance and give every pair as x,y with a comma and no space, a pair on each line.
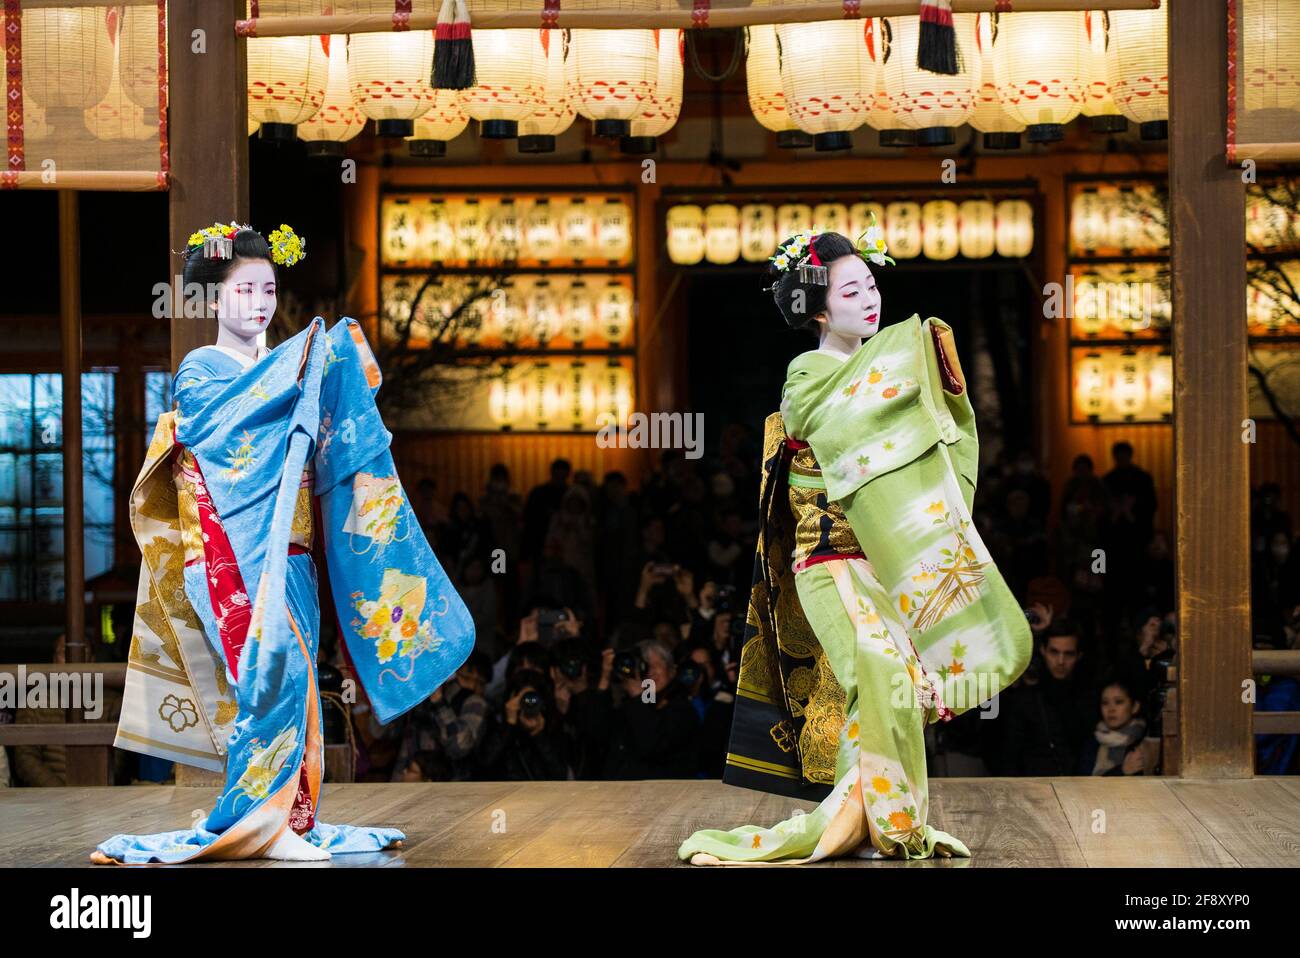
813,258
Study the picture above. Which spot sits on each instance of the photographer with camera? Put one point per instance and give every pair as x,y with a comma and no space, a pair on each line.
534,746
654,731
714,703
582,701
545,625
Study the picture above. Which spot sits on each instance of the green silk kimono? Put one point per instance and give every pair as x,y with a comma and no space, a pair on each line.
876,607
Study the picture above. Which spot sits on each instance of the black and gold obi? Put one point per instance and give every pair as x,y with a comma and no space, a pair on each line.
820,530
789,706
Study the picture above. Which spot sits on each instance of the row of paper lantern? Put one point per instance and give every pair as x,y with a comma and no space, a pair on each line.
1134,301
1128,300
562,394
1124,385
527,311
1124,218
1018,71
530,84
423,231
938,229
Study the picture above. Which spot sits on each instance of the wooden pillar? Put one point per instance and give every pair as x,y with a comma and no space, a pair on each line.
208,139
74,546
1211,479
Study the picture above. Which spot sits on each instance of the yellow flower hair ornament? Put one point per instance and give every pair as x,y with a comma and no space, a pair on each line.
287,247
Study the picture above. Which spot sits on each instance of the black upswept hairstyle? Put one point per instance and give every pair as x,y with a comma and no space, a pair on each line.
829,247
210,271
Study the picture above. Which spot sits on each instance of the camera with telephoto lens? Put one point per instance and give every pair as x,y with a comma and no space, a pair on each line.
688,673
546,622
530,705
628,665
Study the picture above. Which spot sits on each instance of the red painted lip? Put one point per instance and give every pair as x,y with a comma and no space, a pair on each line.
873,317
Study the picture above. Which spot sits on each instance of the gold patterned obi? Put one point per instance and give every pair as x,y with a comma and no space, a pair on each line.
197,511
821,532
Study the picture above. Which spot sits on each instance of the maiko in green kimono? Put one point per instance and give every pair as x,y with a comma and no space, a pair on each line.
876,608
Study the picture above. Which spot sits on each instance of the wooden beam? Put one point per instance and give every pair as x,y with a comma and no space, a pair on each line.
721,14
74,546
1211,479
88,735
208,140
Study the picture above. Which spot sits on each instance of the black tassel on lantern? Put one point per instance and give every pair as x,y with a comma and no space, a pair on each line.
936,50
453,48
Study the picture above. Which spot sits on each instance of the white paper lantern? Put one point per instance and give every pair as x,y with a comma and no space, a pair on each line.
338,120
389,77
939,229
685,234
542,231
1090,394
1088,221
1098,105
115,117
903,229
933,104
975,232
287,77
830,218
67,56
659,112
792,218
470,224
1269,72
613,230
1001,130
1014,228
509,79
442,123
880,104
862,216
721,233
579,312
506,317
757,232
578,229
826,78
614,312
1038,68
1160,383
506,398
1126,383
558,107
1089,312
617,70
763,84
542,307
138,52
613,393
1137,65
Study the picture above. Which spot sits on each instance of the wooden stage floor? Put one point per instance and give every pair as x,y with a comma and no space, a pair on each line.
1006,822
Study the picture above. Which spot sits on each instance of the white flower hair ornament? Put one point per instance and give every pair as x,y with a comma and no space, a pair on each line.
798,253
871,244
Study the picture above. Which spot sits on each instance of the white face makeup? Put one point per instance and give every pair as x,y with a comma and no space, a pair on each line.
852,303
246,301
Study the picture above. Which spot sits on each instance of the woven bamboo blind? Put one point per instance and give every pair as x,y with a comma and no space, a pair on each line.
1263,80
86,95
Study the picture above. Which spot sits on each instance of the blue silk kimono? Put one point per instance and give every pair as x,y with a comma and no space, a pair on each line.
222,671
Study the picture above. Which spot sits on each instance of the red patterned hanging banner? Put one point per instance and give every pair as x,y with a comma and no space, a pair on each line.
401,15
164,162
16,160
550,14
852,9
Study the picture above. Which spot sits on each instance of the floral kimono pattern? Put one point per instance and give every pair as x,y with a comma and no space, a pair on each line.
222,668
909,613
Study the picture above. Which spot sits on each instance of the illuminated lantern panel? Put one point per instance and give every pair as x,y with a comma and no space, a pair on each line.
659,112
614,230
557,108
1013,228
861,216
542,232
757,232
826,78
903,229
792,218
939,229
686,234
831,218
721,233
67,57
975,230
766,95
1122,385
